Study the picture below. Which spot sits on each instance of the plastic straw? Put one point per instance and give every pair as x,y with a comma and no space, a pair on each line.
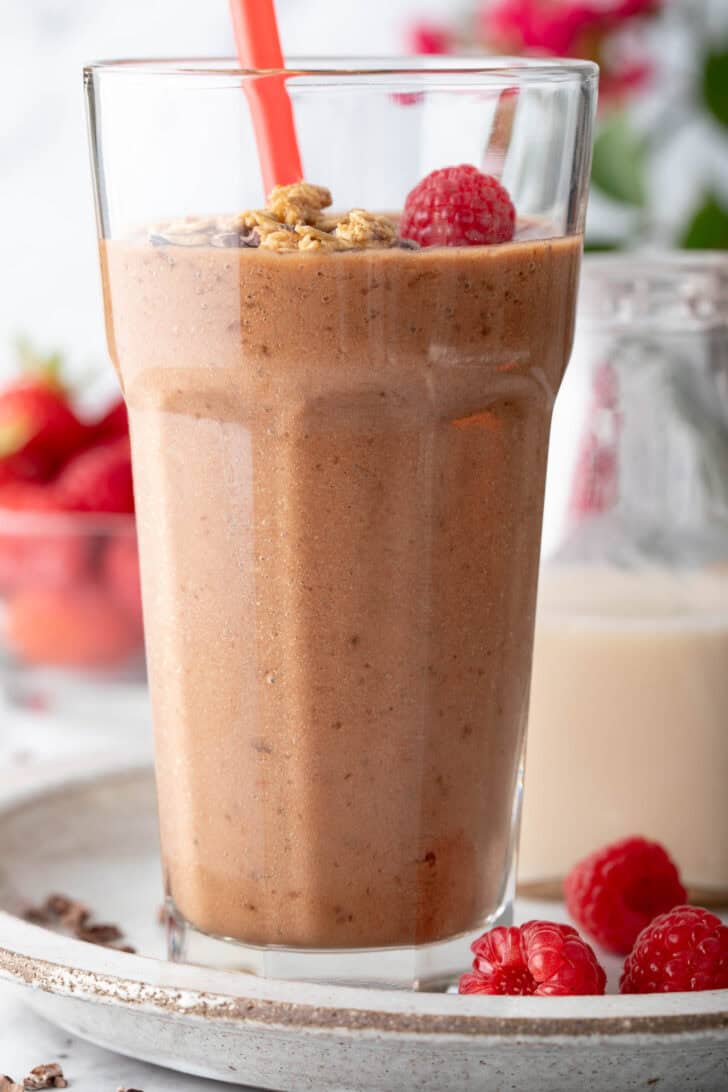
259,46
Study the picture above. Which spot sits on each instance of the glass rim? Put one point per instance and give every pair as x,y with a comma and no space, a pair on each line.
660,260
524,70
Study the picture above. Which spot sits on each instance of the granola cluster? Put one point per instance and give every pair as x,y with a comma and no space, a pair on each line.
294,220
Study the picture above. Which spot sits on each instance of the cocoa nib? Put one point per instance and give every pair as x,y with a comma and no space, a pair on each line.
99,934
65,914
45,1076
58,905
36,915
7,1084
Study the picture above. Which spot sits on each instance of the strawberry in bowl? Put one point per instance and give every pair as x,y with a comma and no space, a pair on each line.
69,577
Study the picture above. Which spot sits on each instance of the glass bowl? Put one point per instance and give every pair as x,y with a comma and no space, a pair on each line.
70,605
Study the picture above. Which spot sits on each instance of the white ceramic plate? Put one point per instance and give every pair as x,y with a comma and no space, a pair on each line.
95,838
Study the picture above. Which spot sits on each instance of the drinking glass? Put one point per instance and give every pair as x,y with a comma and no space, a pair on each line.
339,462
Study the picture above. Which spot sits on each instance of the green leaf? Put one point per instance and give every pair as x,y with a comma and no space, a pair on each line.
598,246
715,84
618,167
48,368
708,228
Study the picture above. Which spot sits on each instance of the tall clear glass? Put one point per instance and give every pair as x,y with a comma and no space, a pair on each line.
339,460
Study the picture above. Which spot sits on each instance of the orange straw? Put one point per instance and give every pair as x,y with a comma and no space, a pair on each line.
259,46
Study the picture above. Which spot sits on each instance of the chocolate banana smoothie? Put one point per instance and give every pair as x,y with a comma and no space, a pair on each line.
339,451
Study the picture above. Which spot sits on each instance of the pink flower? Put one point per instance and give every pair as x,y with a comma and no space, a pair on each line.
555,26
615,84
430,38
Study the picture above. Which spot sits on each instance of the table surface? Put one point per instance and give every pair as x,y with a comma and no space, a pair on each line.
26,1041
28,740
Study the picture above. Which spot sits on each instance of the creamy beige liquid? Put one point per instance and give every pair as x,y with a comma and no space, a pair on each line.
628,728
339,463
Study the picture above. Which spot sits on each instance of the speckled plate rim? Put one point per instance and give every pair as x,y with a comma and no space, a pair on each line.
42,960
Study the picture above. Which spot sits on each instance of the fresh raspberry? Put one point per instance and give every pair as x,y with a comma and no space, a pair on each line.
686,949
458,206
614,893
541,958
69,627
99,479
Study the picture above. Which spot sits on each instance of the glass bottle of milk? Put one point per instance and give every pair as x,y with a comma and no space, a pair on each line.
628,730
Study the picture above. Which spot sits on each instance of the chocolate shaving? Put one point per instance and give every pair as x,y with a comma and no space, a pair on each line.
45,1076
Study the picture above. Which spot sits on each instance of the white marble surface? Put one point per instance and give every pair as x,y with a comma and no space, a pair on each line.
26,1041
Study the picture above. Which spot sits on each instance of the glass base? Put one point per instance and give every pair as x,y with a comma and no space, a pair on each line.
432,967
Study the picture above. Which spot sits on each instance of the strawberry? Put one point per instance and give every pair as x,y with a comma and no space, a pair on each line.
113,424
37,547
38,428
120,570
98,479
69,627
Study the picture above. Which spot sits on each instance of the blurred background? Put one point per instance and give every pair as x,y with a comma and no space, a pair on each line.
661,162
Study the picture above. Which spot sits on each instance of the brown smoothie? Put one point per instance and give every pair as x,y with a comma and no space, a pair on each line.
339,462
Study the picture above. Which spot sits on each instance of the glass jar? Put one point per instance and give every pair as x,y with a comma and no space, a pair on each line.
628,730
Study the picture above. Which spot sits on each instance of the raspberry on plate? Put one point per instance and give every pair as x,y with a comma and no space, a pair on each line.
686,949
458,206
616,891
541,958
